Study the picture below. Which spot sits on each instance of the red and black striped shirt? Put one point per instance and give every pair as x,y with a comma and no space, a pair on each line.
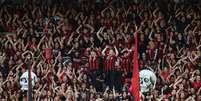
109,63
125,64
93,63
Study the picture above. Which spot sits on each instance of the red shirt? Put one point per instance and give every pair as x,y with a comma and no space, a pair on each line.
61,78
76,63
108,23
93,63
109,63
32,46
164,74
196,85
88,35
48,53
129,42
125,63
150,53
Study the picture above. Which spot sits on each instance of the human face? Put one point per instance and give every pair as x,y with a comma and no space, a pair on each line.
64,69
124,94
106,95
57,45
182,95
111,96
83,85
165,69
173,92
85,77
143,56
49,93
76,45
192,90
183,19
85,30
111,52
198,78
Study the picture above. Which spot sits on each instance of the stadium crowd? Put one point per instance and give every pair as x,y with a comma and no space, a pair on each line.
82,50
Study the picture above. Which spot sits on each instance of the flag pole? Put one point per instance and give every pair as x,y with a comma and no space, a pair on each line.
29,82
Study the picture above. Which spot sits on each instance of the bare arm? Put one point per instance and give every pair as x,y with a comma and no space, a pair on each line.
127,11
41,40
84,21
25,48
116,51
77,16
10,40
106,90
185,30
78,29
56,59
198,46
177,81
124,36
89,26
155,11
112,12
26,53
98,34
113,90
159,69
103,11
190,98
104,50
118,10
199,90
150,35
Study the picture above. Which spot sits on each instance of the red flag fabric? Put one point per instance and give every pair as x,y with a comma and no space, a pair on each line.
135,78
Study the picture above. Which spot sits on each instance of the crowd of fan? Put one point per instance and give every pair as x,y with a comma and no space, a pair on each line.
82,50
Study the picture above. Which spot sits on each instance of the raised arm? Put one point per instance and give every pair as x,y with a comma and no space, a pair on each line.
78,29
113,91
198,47
159,63
199,91
124,36
10,40
61,42
85,19
104,50
77,16
98,34
116,51
59,54
186,29
106,90
150,35
89,26
112,12
41,40
177,81
23,54
103,11
155,11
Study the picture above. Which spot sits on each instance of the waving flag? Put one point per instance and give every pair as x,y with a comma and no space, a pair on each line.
135,79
